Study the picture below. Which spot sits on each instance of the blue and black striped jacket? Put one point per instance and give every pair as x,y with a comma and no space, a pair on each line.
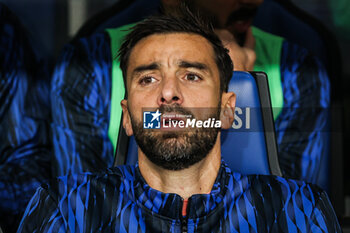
120,200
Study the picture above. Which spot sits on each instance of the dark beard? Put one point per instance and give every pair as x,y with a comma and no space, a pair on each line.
175,150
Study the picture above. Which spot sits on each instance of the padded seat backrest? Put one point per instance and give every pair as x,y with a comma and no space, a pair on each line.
253,135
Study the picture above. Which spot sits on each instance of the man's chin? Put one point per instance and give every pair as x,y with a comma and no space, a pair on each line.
172,140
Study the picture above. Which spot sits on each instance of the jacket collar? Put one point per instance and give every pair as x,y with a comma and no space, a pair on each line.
170,205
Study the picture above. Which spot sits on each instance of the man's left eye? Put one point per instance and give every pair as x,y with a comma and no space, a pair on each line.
192,77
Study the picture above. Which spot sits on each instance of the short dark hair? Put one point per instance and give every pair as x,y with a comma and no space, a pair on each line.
188,21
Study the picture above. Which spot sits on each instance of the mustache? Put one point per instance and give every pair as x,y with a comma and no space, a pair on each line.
242,14
175,108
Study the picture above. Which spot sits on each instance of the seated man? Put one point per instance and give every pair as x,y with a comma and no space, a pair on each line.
84,134
180,184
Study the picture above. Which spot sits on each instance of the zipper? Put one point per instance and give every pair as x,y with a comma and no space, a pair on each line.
184,219
184,224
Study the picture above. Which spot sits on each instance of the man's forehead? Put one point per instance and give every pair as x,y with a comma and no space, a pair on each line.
173,46
174,35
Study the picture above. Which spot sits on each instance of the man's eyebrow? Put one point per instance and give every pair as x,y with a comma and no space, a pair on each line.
197,65
181,64
142,68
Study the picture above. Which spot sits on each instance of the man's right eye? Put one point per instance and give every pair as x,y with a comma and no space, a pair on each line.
146,80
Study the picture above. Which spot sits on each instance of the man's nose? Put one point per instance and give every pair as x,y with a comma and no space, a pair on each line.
170,92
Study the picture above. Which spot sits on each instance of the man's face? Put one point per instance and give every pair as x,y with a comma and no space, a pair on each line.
233,15
174,73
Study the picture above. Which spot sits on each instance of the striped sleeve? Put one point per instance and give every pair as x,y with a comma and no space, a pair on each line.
80,100
302,130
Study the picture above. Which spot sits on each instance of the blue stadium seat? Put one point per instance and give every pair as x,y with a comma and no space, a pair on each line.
254,141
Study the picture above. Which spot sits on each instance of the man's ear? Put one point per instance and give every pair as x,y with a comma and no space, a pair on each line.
228,103
126,118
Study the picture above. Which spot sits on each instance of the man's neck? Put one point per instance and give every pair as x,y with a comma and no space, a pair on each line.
197,179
